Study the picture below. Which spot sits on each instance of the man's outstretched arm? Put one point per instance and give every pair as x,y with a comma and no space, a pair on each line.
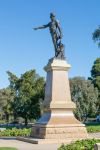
42,27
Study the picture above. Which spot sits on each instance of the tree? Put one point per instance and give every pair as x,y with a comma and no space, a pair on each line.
28,89
13,87
95,77
96,36
5,99
85,96
95,73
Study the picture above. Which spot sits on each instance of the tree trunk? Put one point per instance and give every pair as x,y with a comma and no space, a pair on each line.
85,118
26,121
15,117
7,117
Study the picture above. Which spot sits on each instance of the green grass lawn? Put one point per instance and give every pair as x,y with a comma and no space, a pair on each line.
93,127
8,148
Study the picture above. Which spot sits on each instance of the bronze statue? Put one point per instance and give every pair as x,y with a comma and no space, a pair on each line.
56,35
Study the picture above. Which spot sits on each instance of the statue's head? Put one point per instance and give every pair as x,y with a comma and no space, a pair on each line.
52,16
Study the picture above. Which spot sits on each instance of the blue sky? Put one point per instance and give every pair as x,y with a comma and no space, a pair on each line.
22,48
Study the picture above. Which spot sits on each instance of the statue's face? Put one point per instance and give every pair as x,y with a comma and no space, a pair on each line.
52,18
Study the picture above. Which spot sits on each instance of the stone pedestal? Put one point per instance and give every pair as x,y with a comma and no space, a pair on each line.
58,121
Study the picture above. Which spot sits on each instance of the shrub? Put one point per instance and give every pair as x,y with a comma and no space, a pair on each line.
15,132
80,145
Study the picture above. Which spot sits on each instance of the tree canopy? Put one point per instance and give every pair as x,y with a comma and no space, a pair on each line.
85,96
95,73
95,77
5,98
96,36
27,91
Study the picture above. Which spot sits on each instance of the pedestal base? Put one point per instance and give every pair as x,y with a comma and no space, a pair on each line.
59,131
58,121
59,126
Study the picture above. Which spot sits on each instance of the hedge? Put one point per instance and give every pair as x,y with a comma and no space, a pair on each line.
15,132
87,144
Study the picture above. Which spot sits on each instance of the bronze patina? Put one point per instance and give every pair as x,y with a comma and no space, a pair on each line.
56,34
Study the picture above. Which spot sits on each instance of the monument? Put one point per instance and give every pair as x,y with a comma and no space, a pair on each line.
57,121
57,124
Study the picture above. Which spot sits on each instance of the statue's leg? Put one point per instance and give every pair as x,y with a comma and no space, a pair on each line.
54,43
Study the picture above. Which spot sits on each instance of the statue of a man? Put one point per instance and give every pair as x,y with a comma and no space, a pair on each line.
55,31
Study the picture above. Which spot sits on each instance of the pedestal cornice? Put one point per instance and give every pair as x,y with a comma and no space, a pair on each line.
57,64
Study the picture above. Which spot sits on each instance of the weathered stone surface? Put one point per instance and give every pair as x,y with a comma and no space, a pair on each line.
59,132
57,91
58,121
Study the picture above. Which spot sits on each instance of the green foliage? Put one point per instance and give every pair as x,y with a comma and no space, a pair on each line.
80,145
85,96
27,91
15,132
5,98
96,36
95,77
2,121
8,148
95,73
93,128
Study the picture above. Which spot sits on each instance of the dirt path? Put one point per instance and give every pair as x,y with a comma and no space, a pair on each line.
27,146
